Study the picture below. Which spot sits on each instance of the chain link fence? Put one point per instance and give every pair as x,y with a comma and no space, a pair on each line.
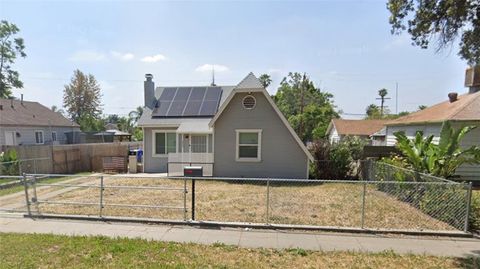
393,199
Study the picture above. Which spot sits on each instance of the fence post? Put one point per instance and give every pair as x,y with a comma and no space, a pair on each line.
363,203
184,199
34,198
268,202
193,198
101,196
25,184
469,200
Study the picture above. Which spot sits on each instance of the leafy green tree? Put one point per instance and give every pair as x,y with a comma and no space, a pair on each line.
89,123
11,47
81,98
422,107
308,109
440,159
442,21
265,79
373,112
112,118
58,110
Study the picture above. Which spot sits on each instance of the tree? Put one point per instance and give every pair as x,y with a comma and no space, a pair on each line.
440,20
441,159
136,114
58,110
10,48
89,123
81,97
265,79
373,112
422,107
382,93
308,109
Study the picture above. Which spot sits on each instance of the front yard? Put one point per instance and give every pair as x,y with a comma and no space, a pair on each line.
329,204
53,251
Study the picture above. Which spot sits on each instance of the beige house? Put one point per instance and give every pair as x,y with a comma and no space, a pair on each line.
338,129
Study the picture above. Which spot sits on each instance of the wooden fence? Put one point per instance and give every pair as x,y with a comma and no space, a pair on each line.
67,159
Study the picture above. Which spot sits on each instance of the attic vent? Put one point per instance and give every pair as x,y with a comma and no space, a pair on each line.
249,102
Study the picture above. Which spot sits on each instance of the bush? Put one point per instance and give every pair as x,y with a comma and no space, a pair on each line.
474,220
336,161
9,163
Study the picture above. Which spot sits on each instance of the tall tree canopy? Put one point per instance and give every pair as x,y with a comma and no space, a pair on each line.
307,108
265,79
440,20
81,98
11,47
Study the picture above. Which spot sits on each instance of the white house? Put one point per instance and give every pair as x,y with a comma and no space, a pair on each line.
340,128
460,110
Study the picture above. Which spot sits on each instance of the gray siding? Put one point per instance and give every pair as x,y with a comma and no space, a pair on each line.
153,164
282,157
27,134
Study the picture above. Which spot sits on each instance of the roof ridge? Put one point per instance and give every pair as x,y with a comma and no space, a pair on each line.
456,112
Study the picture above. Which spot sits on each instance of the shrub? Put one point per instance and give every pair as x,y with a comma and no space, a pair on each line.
474,221
9,162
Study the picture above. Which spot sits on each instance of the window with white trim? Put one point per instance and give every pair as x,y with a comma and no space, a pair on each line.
164,143
54,136
249,145
39,137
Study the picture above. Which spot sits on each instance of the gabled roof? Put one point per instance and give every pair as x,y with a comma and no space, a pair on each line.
251,84
356,127
25,113
466,108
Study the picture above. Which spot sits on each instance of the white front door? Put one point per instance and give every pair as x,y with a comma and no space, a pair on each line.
10,138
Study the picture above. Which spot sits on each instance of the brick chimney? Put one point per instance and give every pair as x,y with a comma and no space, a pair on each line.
149,91
472,79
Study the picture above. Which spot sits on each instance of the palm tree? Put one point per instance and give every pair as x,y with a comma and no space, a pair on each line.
382,92
265,79
136,114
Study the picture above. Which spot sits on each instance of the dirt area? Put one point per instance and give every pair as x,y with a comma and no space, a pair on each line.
330,204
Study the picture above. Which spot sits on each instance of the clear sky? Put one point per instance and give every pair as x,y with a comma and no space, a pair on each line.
345,46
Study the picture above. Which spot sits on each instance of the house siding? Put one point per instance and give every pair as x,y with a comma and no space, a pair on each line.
281,156
27,134
467,172
333,136
152,164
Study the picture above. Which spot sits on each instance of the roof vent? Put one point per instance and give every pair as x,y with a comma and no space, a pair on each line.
453,96
249,102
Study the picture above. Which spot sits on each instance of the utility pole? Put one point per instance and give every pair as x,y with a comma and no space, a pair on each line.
396,98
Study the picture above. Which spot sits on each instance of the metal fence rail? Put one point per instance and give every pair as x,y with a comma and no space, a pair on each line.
386,202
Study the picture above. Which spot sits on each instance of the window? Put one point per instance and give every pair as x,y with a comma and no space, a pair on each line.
249,144
249,102
39,137
54,136
164,143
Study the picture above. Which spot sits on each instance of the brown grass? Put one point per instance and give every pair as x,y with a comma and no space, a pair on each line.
331,204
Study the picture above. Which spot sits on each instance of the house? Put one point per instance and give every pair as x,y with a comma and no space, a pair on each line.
460,110
114,134
338,129
231,131
31,123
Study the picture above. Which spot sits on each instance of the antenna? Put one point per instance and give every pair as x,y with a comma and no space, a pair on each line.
213,76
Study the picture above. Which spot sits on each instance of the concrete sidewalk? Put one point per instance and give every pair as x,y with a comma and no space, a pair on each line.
458,247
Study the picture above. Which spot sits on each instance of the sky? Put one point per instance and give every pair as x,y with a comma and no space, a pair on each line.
345,47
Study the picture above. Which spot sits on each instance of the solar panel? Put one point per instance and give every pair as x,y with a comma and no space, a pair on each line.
188,102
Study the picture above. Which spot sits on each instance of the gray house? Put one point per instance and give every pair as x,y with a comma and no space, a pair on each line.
30,123
231,131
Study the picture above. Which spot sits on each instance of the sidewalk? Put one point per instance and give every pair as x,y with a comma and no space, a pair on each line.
458,247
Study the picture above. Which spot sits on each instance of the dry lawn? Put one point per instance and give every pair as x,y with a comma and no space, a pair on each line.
331,204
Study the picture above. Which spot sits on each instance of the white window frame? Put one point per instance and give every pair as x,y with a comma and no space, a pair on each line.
259,145
154,142
56,137
43,137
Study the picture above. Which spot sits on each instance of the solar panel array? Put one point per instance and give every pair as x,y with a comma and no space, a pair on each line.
188,102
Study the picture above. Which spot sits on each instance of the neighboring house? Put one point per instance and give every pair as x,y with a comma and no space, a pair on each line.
338,129
460,110
231,131
30,123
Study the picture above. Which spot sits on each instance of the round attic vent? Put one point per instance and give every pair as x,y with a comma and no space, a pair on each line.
249,102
